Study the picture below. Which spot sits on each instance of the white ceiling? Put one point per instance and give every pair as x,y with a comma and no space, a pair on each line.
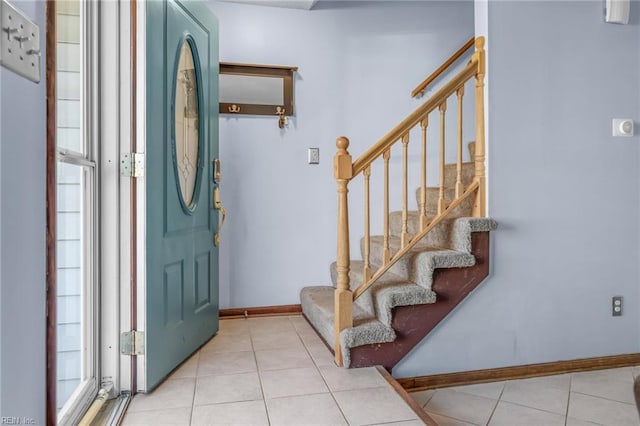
289,4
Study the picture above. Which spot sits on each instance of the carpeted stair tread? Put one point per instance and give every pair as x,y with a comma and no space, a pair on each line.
420,261
421,266
356,274
451,173
433,194
318,306
438,236
464,226
395,245
387,292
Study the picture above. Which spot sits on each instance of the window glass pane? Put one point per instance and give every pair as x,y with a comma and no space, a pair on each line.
68,87
69,116
68,28
70,244
76,305
69,58
69,75
71,138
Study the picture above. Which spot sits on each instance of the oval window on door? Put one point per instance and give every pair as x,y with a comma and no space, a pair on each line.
186,130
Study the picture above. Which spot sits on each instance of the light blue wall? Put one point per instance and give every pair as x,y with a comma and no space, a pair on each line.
358,62
22,246
564,192
1,204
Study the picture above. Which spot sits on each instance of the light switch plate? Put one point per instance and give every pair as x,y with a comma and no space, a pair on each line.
19,42
314,155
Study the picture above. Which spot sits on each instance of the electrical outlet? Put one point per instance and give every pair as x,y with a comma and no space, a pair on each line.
616,306
314,155
19,42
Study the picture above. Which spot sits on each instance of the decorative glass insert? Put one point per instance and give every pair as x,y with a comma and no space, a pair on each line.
186,125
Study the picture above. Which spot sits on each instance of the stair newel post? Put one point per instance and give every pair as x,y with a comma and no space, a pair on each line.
479,205
343,172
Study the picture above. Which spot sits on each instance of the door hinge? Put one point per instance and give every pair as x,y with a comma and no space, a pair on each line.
132,343
132,164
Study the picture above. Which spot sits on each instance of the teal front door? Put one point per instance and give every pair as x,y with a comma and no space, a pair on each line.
181,219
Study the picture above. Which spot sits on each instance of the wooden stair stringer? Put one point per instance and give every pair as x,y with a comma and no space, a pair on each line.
413,323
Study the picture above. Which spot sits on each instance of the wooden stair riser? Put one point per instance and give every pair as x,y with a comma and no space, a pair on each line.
368,301
413,323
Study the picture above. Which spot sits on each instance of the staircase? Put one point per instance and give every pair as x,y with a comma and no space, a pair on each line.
426,261
412,282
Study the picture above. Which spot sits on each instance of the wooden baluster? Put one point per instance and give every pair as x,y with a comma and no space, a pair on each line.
459,185
367,227
386,253
441,203
404,236
479,204
423,178
343,309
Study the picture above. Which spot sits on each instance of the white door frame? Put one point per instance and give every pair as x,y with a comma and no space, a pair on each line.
116,226
141,211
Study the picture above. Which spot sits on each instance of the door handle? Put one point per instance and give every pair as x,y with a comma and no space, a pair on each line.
217,204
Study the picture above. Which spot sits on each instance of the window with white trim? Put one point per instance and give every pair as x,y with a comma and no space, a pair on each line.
76,207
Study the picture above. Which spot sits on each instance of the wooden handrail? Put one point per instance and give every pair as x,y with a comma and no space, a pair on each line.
442,68
416,116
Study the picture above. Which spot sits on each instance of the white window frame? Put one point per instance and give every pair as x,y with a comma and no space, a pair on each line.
84,395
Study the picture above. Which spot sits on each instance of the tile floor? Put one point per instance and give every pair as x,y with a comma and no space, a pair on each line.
262,371
602,397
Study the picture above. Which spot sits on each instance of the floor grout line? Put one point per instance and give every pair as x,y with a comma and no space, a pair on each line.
566,416
455,418
333,397
255,359
532,408
605,398
195,386
495,407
